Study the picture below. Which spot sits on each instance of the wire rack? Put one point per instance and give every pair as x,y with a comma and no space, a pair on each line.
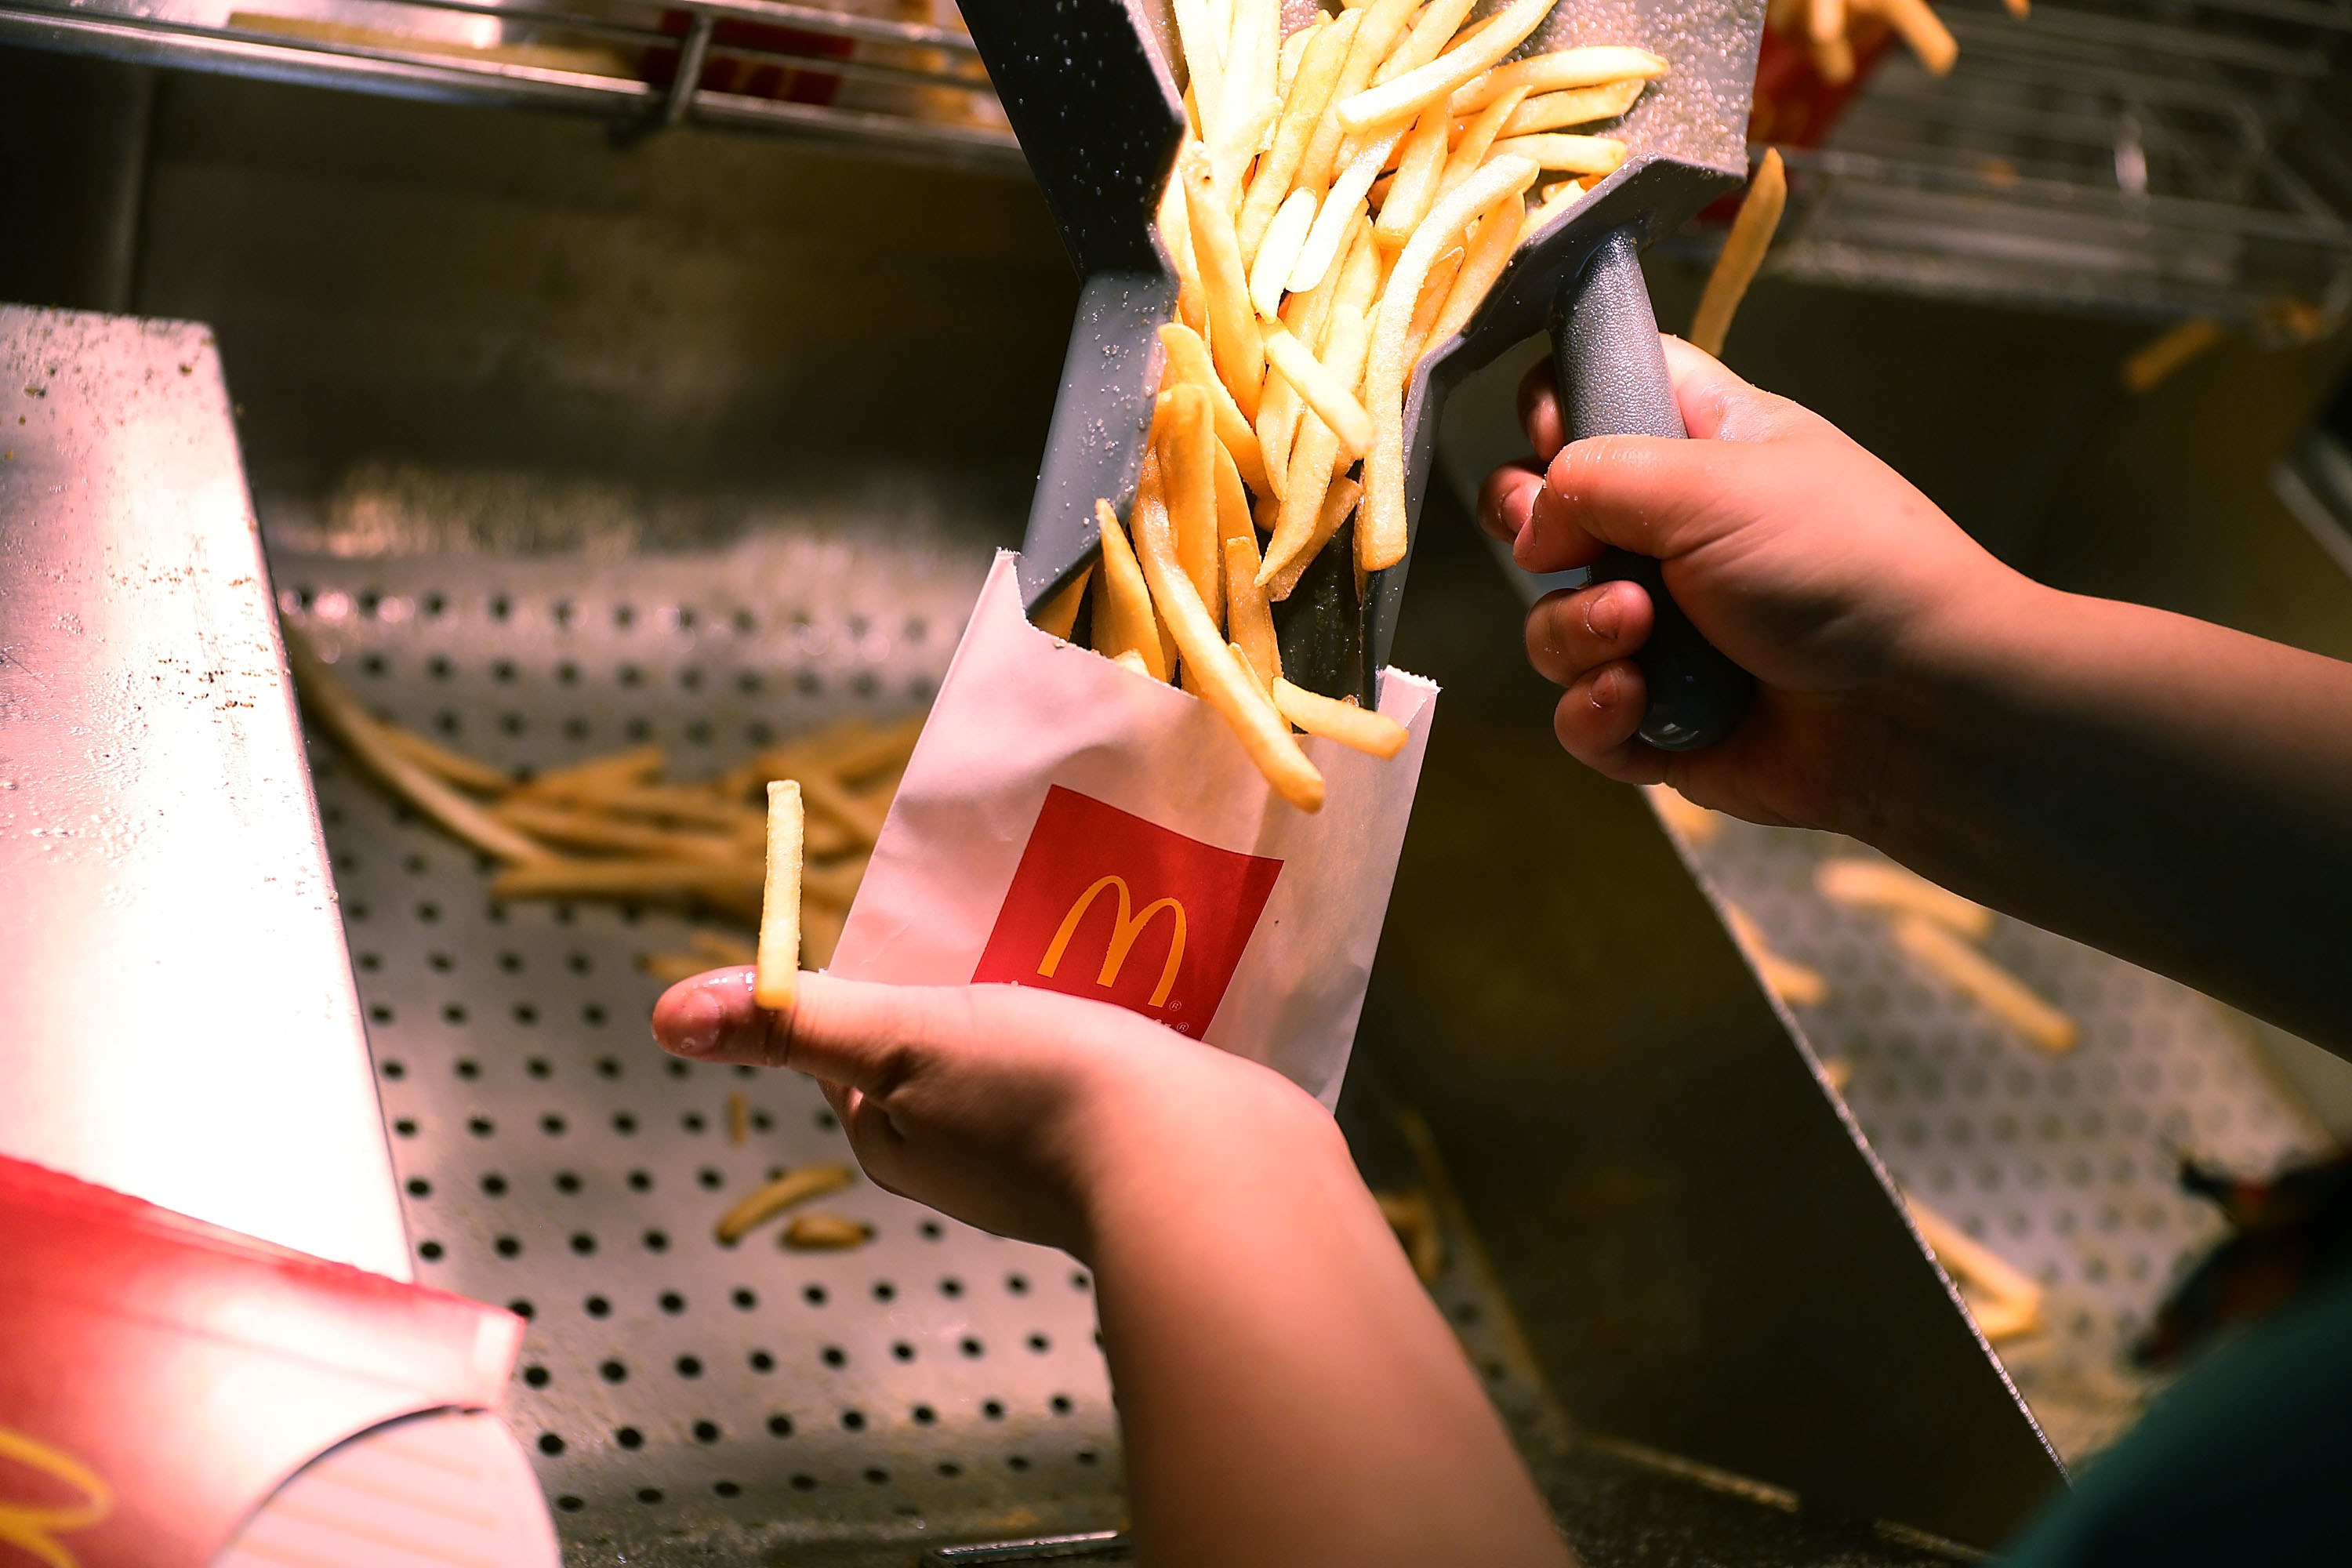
894,75
2164,157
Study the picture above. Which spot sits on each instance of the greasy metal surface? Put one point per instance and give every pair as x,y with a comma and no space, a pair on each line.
175,1000
920,100
2063,1165
681,1398
1702,1253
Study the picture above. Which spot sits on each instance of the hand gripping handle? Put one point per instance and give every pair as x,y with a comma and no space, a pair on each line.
1613,381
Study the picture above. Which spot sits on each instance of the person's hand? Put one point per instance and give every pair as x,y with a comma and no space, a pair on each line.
1810,563
1026,1113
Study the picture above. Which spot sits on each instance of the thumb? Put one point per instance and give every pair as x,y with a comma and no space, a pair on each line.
854,1033
1648,494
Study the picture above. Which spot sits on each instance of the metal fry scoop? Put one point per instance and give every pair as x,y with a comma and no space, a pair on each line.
1092,90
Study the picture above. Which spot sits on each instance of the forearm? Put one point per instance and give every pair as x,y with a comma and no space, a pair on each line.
2170,790
1287,1393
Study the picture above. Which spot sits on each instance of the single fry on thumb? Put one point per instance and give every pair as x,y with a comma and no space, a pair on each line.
777,978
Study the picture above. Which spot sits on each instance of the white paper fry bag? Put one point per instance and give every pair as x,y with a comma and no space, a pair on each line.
1065,823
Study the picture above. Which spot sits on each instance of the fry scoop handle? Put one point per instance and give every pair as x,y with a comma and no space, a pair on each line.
1613,381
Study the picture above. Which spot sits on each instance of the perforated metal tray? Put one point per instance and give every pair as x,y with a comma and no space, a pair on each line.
2064,1164
682,1399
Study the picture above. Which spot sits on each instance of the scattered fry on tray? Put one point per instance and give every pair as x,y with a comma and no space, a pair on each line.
1414,1217
1798,985
826,1232
1832,31
1742,254
1343,202
2003,1298
2154,364
1685,815
1876,884
764,1203
738,1117
1838,1071
1998,991
776,979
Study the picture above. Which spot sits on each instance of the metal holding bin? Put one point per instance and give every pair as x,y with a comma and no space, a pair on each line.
560,448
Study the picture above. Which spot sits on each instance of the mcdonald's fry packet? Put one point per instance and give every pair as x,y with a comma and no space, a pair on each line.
1065,823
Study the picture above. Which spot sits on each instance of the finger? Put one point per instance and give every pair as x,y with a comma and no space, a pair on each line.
1577,630
1648,494
711,1017
1506,498
1596,720
849,1032
1539,413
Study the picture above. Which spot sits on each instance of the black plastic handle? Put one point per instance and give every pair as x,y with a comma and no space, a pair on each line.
1612,382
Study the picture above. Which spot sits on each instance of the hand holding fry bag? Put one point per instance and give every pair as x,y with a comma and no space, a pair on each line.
1068,823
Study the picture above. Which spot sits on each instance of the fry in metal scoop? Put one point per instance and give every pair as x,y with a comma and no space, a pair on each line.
1234,342
776,980
1415,90
1588,65
1570,154
1125,625
1323,391
1188,360
1248,613
1375,734
764,1203
1574,106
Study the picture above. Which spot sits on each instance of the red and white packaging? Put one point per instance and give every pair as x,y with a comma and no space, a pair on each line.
1067,824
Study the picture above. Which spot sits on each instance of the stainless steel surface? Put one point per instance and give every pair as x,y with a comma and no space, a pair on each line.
681,1398
2066,1165
1703,1252
858,76
2164,160
174,993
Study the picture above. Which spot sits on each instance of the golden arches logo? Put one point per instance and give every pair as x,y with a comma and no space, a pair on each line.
33,1530
1122,937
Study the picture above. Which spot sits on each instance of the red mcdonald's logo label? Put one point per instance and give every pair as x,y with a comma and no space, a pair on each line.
1107,905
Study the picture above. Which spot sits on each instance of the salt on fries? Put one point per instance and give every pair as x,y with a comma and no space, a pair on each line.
1343,202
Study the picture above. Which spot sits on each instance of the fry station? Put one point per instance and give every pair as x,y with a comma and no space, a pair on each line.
509,509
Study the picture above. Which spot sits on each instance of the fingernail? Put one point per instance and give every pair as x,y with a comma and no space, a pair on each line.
1523,543
1605,617
1604,688
701,1017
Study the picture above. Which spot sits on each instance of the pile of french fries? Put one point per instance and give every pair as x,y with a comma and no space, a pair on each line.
615,829
1343,201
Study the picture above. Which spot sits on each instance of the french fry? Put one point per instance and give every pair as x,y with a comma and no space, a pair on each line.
1798,985
1421,168
1176,232
1433,290
1684,815
734,888
1188,358
1251,101
777,980
1834,59
1233,500
1060,613
1874,884
1573,106
1133,661
1329,392
1435,82
1340,210
622,768
341,714
1234,343
1414,1219
1559,150
1492,244
1380,532
1557,199
1124,622
1375,734
1477,137
764,1203
1286,237
738,1117
1339,504
1188,472
2153,364
1431,31
1317,456
1825,20
652,802
1248,613
1384,22
1303,105
554,823
1225,684
1921,28
1743,252
2014,1308
1308,318
1201,36
861,816
447,765
1591,65
826,1232
1995,989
